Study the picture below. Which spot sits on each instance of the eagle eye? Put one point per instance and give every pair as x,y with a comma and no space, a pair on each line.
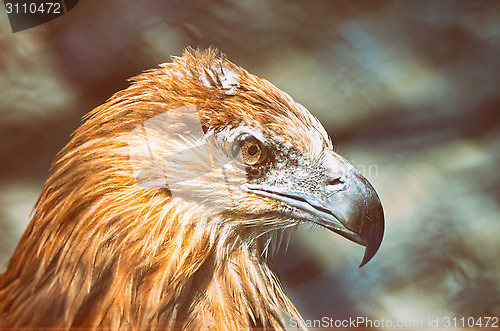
249,150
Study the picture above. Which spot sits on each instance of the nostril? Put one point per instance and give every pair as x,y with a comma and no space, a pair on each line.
335,185
335,181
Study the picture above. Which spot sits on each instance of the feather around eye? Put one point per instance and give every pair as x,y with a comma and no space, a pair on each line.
249,150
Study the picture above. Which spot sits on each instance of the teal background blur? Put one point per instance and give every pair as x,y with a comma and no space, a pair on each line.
408,90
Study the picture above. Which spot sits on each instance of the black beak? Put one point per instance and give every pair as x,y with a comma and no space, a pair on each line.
351,208
359,210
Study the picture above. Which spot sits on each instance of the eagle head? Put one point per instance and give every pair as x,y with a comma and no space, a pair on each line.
161,209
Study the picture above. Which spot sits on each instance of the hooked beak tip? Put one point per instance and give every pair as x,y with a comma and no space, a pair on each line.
365,216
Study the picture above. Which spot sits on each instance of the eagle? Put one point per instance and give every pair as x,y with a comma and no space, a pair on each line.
163,210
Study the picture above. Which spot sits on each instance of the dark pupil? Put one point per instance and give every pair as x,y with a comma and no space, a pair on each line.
253,150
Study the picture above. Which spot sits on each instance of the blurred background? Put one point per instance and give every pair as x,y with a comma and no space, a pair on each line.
408,90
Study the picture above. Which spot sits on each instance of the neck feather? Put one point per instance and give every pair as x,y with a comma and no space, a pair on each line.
159,266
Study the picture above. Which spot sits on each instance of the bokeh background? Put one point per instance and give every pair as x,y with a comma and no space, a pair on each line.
408,90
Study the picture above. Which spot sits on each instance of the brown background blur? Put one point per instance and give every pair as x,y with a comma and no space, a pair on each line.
408,90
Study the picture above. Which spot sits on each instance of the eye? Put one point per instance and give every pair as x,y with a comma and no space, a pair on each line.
249,150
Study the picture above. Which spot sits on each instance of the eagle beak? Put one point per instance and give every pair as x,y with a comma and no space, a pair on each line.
351,208
357,207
